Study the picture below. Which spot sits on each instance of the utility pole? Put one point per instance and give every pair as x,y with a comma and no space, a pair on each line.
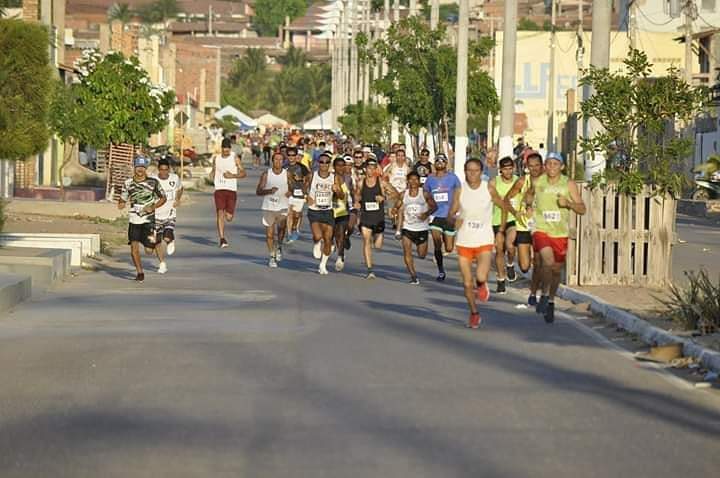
491,117
394,127
550,145
353,97
690,12
579,58
507,92
366,67
434,14
632,24
599,58
461,139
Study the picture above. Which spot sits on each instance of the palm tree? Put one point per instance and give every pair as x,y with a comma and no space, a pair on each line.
120,12
314,87
167,9
294,57
250,69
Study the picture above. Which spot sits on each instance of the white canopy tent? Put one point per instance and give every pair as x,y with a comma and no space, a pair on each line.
243,120
323,121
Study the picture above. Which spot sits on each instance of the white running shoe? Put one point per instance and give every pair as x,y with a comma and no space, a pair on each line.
272,263
278,254
323,270
339,264
317,250
162,268
171,248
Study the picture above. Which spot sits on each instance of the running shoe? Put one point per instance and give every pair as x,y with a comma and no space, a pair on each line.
339,264
171,248
501,287
441,276
550,312
414,281
317,250
370,275
474,321
223,243
532,300
278,254
272,263
347,242
483,292
162,268
140,277
511,275
322,270
542,304
398,235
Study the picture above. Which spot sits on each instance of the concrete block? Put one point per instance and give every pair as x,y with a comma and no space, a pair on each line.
44,266
75,246
13,290
90,242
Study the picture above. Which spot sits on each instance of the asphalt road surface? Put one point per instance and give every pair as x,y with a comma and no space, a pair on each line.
224,367
698,247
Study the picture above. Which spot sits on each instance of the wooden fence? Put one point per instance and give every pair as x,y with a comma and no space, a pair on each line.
119,168
621,240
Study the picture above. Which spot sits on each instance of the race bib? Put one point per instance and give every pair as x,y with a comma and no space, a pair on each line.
440,197
474,225
298,193
552,216
138,209
372,206
274,200
323,198
413,211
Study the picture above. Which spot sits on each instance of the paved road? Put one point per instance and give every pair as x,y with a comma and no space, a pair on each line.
227,368
699,246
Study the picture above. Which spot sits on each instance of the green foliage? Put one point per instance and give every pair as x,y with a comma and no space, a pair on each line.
712,165
298,92
25,89
5,4
697,305
528,25
158,11
270,14
422,70
636,112
115,102
365,122
294,58
120,12
227,123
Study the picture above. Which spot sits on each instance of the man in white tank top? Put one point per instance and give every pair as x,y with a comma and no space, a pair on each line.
226,170
273,188
472,211
415,209
396,174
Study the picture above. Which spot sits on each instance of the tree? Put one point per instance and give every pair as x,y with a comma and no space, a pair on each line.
366,122
528,25
253,63
422,70
120,12
159,11
270,14
294,57
25,89
639,114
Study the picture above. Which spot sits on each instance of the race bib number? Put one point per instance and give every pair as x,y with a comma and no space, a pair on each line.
372,206
298,193
440,197
323,198
474,225
274,200
413,211
552,216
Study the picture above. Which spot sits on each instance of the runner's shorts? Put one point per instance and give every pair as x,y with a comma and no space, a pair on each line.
441,224
165,228
378,228
523,237
417,237
342,220
473,253
225,200
143,233
270,218
323,216
296,204
508,225
558,245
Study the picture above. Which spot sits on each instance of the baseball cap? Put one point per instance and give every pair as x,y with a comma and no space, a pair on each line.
441,157
371,161
366,149
347,158
555,156
141,161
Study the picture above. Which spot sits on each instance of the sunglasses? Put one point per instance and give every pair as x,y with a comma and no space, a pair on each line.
323,162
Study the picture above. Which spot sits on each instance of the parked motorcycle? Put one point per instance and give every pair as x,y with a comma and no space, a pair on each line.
707,188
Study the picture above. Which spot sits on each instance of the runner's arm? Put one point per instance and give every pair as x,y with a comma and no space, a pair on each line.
159,193
454,209
400,207
575,203
261,191
241,170
179,194
514,191
212,169
432,205
337,188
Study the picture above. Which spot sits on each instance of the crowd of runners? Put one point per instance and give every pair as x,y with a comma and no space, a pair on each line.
520,217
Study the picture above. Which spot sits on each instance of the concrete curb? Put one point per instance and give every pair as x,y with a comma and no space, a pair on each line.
13,290
648,333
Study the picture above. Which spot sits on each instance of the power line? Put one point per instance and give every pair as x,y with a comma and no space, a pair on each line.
653,21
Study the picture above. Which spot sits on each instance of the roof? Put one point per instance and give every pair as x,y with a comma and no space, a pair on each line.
269,119
202,26
237,114
322,121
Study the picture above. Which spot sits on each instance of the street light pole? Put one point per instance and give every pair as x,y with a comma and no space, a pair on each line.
599,58
434,14
461,139
551,146
507,94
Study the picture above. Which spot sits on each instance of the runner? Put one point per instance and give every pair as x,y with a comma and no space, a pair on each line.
504,226
370,198
298,184
473,207
226,170
166,215
396,173
341,211
273,187
442,186
555,196
415,208
514,201
144,196
324,186
423,167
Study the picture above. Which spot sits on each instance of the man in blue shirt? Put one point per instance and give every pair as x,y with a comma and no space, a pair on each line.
442,185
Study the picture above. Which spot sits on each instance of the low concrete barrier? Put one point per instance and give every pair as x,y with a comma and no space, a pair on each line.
13,290
75,246
44,266
90,242
103,209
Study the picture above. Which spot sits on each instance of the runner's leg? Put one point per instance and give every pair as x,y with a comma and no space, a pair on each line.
407,246
465,265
